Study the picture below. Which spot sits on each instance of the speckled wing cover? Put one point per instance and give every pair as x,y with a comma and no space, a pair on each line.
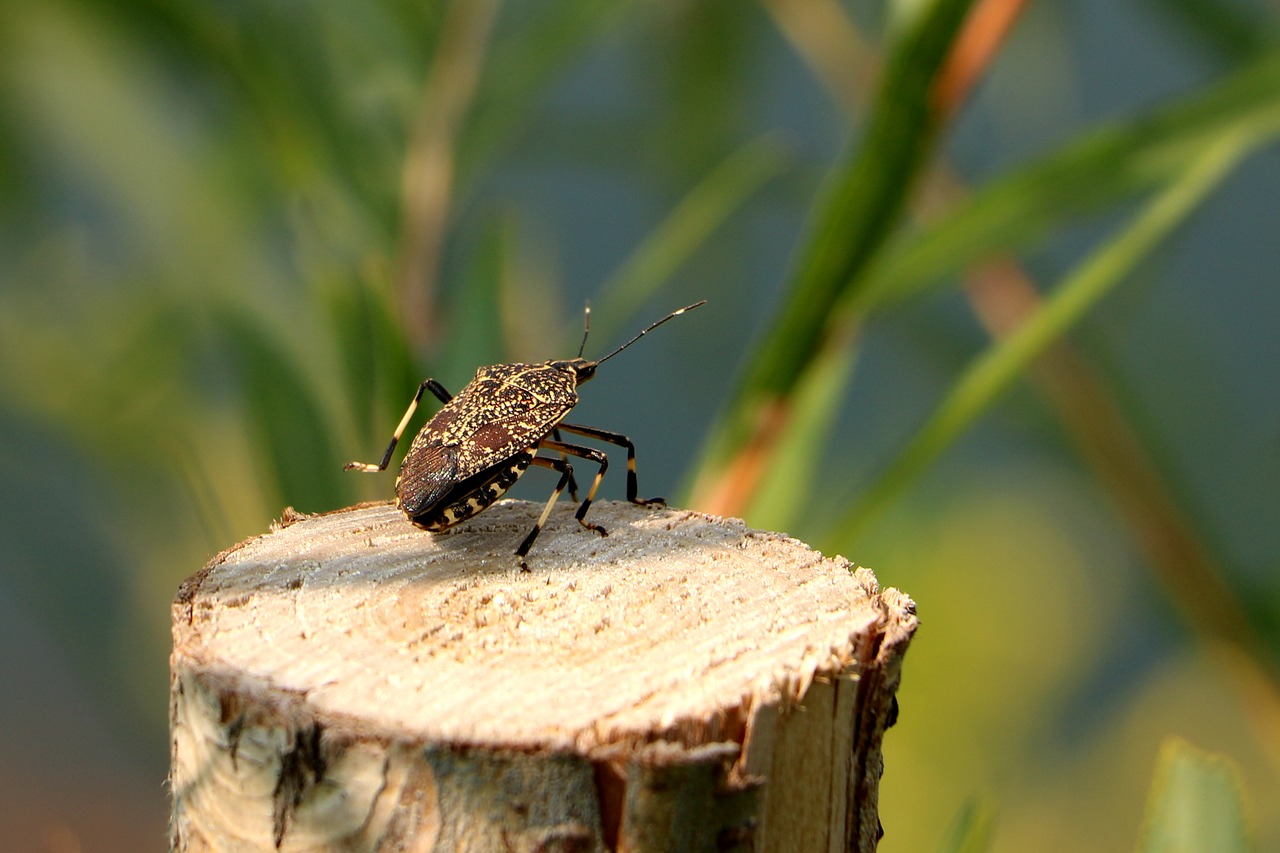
505,409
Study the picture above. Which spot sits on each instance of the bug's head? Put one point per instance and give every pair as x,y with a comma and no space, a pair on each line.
583,369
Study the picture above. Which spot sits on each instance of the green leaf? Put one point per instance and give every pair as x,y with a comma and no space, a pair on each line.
865,199
861,207
1231,30
373,356
1196,804
996,369
292,428
1094,173
475,322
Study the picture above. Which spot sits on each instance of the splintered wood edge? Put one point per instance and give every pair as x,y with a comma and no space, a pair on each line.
353,647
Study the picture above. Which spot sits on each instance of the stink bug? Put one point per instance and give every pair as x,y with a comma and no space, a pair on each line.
480,442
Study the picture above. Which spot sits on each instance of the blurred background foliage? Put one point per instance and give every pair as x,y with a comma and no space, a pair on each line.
991,311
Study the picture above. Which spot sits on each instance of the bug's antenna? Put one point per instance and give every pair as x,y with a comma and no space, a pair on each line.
586,329
650,328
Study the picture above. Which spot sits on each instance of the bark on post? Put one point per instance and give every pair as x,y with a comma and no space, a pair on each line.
350,682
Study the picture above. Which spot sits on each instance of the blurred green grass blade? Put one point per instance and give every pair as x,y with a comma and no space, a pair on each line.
99,118
1196,804
290,75
1232,30
292,429
1088,175
794,476
475,320
866,197
995,370
863,203
707,58
971,832
377,367
535,313
704,209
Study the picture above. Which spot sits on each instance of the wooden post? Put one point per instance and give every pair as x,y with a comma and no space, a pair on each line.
350,682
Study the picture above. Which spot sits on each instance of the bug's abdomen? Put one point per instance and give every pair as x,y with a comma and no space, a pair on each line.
474,494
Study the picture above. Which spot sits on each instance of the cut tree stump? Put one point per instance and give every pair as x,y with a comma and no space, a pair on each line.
350,682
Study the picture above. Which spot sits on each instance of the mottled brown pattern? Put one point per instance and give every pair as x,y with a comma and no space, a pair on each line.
501,413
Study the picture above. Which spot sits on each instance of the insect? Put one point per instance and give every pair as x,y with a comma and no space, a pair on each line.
481,441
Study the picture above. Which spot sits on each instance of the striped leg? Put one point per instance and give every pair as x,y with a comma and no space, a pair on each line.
585,453
562,465
428,385
566,474
573,484
622,441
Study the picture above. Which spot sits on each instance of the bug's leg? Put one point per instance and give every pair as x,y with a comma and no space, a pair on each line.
585,453
428,385
622,441
573,484
566,474
435,388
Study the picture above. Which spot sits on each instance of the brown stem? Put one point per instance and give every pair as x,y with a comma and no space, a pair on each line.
984,32
427,181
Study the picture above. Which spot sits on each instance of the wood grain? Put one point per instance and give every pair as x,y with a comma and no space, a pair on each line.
351,682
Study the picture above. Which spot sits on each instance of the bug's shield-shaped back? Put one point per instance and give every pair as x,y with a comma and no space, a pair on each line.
495,421
426,476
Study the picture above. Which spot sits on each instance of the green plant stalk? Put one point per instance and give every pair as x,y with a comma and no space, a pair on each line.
993,372
1245,100
427,179
1230,30
866,199
1092,173
785,486
862,206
